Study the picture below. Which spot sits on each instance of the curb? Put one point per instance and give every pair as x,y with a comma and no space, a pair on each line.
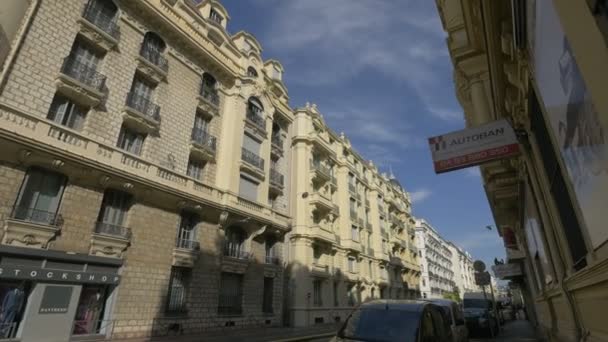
308,337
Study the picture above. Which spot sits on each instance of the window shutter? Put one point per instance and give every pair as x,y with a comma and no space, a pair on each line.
248,189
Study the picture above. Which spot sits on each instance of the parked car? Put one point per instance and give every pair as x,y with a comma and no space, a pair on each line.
395,320
479,314
454,319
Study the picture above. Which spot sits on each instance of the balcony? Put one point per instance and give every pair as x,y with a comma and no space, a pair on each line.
319,270
203,145
352,188
320,171
252,163
141,113
276,146
322,233
353,245
152,64
272,260
370,251
110,240
185,253
276,181
360,222
353,216
30,227
81,82
333,181
99,28
235,260
256,121
368,226
323,203
411,231
208,100
323,144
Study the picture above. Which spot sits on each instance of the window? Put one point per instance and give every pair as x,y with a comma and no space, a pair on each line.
234,244
350,290
268,292
369,240
130,141
351,264
316,254
91,310
40,195
178,289
271,253
114,207
230,300
215,16
335,288
248,189
64,112
195,168
152,49
82,63
423,282
370,269
251,72
140,96
354,233
251,144
102,13
186,234
317,287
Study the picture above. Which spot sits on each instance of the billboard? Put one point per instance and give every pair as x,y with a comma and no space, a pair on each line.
473,146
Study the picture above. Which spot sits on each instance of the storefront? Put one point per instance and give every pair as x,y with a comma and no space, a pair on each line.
55,296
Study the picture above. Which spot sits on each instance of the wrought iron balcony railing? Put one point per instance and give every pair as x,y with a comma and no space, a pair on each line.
273,260
203,138
256,119
154,56
252,158
237,253
277,141
188,244
210,94
144,105
106,23
84,73
352,188
113,229
276,178
34,215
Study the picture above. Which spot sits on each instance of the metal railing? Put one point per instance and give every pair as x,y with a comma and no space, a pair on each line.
154,56
276,178
277,141
322,169
256,119
273,260
112,229
95,16
84,73
352,188
236,253
89,327
143,105
252,158
188,244
210,94
34,215
8,330
203,138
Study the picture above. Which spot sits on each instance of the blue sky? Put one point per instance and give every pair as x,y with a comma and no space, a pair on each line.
379,71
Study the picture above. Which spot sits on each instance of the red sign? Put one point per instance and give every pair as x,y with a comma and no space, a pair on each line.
508,237
473,146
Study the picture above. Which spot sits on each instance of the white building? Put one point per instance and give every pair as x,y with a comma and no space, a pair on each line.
436,261
463,270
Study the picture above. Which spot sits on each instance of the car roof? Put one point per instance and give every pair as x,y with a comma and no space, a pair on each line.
476,295
442,302
395,304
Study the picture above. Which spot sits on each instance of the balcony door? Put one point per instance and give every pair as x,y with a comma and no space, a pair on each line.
114,207
40,195
235,242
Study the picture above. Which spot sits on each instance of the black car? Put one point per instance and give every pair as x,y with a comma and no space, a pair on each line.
395,320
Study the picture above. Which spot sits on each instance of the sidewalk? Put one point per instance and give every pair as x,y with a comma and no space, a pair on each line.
516,331
250,335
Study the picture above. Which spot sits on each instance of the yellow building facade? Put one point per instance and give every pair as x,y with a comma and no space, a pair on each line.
353,235
543,66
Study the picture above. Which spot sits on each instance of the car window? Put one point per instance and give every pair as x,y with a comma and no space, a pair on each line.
447,314
458,314
381,325
429,333
477,303
440,324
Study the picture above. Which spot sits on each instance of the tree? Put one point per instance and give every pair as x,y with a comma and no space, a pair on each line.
455,296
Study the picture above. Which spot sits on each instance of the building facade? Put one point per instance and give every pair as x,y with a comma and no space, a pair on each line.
462,266
143,172
542,65
353,234
436,263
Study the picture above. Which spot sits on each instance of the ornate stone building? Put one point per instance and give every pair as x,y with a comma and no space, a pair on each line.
144,169
542,65
353,232
435,260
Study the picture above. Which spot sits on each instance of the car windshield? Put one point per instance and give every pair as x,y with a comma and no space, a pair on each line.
476,303
380,325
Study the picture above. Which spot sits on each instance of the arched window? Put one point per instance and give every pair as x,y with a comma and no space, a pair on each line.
255,106
235,243
209,88
251,72
102,13
152,49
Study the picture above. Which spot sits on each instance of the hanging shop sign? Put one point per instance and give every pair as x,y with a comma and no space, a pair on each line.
473,146
506,271
508,237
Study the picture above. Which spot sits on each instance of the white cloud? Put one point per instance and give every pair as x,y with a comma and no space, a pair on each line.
420,195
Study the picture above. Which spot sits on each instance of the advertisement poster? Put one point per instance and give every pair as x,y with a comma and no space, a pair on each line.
534,237
572,118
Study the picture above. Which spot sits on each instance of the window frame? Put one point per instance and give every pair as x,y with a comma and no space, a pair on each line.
43,173
66,112
184,283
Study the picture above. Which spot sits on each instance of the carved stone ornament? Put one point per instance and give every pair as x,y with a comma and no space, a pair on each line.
223,219
104,180
24,155
57,163
127,186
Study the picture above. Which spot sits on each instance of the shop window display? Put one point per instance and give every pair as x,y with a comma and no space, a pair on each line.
13,298
90,310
